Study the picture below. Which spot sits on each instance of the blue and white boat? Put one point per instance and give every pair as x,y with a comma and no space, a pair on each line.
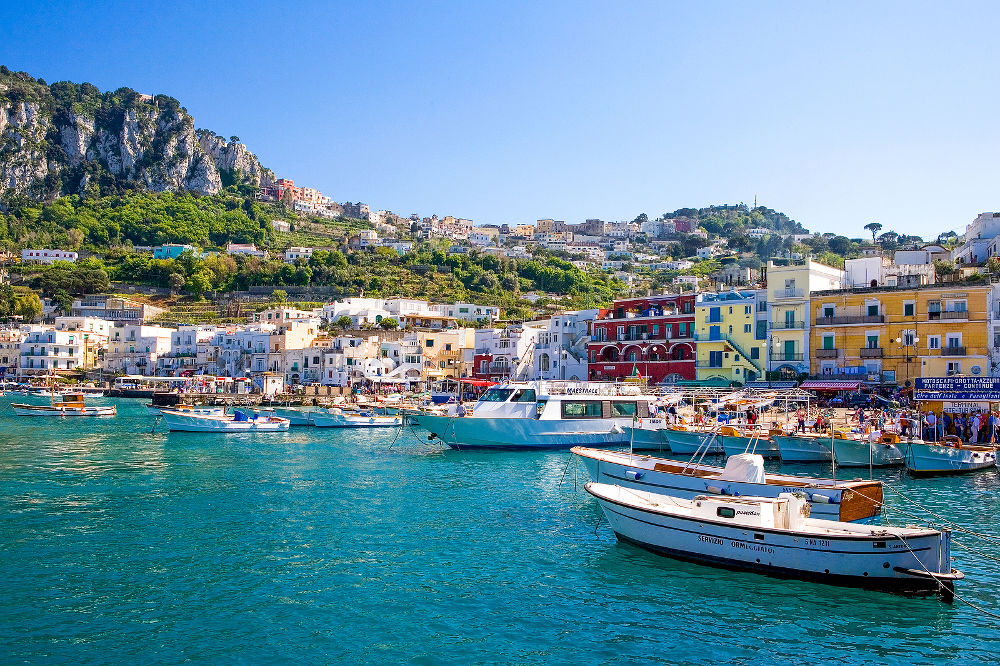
543,415
950,456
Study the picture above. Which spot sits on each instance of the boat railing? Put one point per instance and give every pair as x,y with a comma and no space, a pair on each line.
703,448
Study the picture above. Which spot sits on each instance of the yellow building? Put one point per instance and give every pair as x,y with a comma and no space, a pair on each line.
899,333
789,285
731,335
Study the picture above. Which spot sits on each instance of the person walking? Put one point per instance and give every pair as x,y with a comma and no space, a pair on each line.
930,431
974,429
801,416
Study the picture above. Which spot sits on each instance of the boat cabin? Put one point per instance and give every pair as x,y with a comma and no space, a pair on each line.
538,400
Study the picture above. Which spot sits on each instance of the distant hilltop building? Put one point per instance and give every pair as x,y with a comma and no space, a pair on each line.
47,256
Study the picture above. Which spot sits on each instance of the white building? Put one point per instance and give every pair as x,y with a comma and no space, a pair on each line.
10,349
47,256
248,249
281,225
190,350
560,350
974,245
135,349
295,253
502,353
468,311
367,238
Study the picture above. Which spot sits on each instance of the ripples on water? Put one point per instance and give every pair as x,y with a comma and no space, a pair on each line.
322,545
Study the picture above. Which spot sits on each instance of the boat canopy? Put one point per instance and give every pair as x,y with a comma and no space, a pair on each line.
830,385
744,467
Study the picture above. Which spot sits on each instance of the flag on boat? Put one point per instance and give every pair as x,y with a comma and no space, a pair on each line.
635,371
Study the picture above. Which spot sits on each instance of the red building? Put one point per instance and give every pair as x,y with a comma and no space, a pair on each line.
653,335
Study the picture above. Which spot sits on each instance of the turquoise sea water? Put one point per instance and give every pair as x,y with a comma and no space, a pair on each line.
117,545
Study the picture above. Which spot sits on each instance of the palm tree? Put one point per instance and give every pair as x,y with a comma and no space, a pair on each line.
873,227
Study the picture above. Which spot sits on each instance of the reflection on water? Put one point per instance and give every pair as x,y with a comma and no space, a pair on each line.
326,545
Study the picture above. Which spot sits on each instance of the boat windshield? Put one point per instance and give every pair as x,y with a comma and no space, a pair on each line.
524,395
496,395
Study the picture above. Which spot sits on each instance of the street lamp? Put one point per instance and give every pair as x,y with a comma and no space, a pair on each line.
903,344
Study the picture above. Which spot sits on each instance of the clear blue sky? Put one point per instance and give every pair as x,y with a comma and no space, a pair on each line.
836,113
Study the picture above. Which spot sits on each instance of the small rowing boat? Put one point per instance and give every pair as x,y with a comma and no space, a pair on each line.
338,418
240,421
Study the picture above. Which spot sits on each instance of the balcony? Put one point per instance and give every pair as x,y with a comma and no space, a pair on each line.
788,293
871,352
787,325
850,319
787,356
707,364
955,314
827,353
953,351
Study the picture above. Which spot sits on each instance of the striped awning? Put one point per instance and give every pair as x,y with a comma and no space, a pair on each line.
830,385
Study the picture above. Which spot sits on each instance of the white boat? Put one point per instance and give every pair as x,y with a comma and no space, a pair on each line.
804,447
297,416
239,421
849,501
338,418
777,536
542,415
71,404
951,456
156,410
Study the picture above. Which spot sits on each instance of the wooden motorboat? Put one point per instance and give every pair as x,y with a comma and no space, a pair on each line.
688,440
70,404
848,500
950,456
777,536
803,447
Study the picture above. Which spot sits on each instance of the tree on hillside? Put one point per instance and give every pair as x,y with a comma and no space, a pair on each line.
389,324
343,321
29,306
176,282
888,240
279,295
873,227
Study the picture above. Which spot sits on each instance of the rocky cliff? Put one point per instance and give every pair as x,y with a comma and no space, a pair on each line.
69,138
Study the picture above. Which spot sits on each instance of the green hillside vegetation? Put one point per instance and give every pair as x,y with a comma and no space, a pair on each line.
109,228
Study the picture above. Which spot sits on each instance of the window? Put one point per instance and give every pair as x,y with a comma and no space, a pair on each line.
754,352
624,409
934,342
447,346
430,343
495,394
524,395
715,314
725,512
873,310
656,330
954,340
872,341
715,359
960,306
954,367
909,308
581,409
909,338
747,328
828,342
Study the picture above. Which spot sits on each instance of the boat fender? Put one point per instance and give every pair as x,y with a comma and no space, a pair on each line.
715,489
633,474
821,499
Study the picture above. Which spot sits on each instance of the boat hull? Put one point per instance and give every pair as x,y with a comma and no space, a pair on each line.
296,417
763,446
523,433
323,420
196,423
876,562
924,458
795,448
844,501
689,442
861,453
47,410
648,436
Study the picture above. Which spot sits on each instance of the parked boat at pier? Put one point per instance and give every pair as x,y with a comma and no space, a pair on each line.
543,415
339,418
239,421
803,447
688,440
950,456
777,536
848,501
